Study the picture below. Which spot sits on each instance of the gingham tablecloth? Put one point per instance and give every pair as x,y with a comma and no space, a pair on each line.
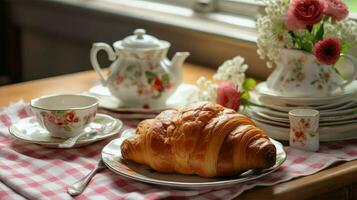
29,171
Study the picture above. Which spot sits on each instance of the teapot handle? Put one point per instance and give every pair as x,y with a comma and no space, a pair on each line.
94,61
354,62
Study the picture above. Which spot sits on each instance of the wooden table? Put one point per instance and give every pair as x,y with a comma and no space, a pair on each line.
337,182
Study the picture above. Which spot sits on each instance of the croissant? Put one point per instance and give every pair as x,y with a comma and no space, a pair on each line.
204,139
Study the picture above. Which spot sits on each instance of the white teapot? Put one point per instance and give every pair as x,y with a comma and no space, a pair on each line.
141,75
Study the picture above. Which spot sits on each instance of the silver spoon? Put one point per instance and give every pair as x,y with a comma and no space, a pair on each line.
70,142
79,186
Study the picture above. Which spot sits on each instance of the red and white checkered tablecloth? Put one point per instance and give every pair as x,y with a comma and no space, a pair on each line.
29,171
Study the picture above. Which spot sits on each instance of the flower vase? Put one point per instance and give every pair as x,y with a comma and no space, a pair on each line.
299,74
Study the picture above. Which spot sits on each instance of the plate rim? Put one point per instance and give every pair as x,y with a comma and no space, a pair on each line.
286,136
307,98
196,185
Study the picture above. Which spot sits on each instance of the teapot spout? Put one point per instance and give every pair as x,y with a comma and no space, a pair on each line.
176,66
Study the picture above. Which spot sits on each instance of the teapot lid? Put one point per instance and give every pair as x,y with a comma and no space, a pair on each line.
141,40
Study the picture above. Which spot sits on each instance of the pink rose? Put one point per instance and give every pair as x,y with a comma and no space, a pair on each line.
228,96
70,116
336,9
51,118
304,13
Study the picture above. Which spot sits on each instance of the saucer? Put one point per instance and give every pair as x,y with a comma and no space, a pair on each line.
184,94
339,95
29,130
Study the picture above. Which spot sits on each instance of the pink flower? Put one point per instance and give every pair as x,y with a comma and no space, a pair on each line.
336,9
51,118
304,13
228,96
328,50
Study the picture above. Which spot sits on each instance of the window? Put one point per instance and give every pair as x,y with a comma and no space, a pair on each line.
249,8
238,14
235,19
352,4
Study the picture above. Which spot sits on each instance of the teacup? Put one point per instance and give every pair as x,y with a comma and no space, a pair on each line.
65,115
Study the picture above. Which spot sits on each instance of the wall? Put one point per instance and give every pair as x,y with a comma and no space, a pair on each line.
55,39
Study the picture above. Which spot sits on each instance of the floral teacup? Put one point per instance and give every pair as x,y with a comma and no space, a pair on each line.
304,127
65,115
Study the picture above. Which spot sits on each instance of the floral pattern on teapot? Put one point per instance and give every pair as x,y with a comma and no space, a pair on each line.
141,75
156,81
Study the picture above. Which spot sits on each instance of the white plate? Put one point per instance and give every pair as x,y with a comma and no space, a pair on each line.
348,93
326,133
111,156
29,130
256,117
322,108
285,118
349,111
285,122
184,94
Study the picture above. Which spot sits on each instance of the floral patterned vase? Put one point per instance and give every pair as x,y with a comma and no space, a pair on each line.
299,74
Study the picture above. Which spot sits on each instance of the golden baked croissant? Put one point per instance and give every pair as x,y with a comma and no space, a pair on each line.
204,139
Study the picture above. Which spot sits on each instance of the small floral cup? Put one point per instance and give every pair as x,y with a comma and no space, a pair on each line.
65,115
304,125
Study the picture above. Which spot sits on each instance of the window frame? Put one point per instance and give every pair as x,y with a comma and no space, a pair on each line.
245,8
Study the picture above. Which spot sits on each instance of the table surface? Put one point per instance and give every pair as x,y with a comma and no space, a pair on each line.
328,180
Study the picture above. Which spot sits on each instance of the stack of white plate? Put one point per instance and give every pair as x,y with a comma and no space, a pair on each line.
338,112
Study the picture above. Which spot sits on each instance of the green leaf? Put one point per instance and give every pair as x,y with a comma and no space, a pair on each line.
245,95
326,18
59,113
344,48
165,79
249,84
320,33
150,75
67,128
307,46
